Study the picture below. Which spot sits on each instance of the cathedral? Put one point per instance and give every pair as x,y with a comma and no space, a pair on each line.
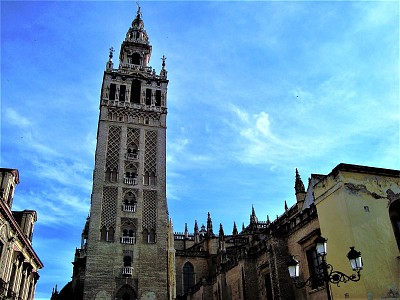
130,252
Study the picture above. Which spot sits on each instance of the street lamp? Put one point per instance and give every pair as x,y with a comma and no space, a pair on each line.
325,273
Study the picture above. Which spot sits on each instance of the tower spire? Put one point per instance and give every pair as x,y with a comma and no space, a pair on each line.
234,231
209,226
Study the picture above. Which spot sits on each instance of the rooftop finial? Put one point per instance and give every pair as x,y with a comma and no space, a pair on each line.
111,54
299,186
138,13
163,58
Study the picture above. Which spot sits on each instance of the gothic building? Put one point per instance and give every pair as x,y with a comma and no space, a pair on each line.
352,206
19,263
124,243
129,251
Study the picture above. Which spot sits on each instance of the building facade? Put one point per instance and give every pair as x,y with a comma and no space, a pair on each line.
19,263
352,206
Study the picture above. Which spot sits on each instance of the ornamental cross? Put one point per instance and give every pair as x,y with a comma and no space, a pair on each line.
111,52
163,58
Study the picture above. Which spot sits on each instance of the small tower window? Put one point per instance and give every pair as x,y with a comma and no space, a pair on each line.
158,98
145,236
113,89
135,91
122,90
136,58
152,237
148,96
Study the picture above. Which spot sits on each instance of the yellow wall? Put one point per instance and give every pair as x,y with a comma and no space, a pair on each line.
340,200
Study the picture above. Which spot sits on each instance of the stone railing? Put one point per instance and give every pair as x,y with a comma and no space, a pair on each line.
128,240
130,181
127,271
128,207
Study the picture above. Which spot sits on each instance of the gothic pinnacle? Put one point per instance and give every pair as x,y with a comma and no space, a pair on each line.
299,186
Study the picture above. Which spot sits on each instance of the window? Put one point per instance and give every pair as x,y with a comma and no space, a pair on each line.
394,214
148,96
1,249
129,202
122,90
145,236
152,237
146,178
130,175
127,261
152,179
136,58
111,175
268,286
135,91
111,95
103,234
111,232
188,276
132,152
158,98
314,265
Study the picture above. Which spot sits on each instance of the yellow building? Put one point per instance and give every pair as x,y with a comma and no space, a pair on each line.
360,207
19,264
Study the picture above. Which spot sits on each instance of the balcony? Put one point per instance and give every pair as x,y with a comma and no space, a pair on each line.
127,271
129,208
130,181
128,240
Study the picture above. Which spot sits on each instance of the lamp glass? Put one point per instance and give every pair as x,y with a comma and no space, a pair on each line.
293,267
321,245
355,259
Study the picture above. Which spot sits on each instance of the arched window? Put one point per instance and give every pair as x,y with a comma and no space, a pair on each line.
103,234
136,58
152,237
127,261
111,233
146,178
129,202
135,91
394,214
130,174
113,89
158,98
188,276
132,152
145,236
152,179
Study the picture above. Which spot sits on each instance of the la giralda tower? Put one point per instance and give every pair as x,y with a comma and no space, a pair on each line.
127,232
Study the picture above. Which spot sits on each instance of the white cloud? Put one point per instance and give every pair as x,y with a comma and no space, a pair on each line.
17,119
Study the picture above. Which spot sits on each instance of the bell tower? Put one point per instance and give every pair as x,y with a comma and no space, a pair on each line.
126,243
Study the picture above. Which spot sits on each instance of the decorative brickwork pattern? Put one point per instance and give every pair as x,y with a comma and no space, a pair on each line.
109,206
132,136
149,210
150,154
113,147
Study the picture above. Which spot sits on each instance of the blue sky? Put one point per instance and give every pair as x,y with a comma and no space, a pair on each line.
256,90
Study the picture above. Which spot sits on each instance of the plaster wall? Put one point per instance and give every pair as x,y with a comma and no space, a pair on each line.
353,211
